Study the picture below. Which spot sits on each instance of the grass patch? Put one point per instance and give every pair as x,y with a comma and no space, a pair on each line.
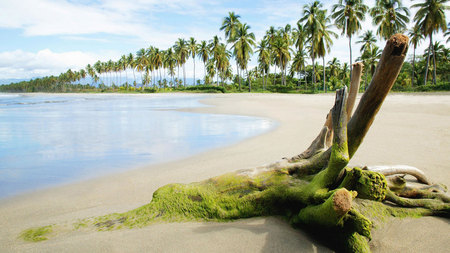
36,234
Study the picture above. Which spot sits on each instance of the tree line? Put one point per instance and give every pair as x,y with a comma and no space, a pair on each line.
285,50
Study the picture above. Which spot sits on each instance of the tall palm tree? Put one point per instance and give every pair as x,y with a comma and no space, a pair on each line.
299,36
132,64
347,15
157,62
230,25
311,13
98,68
91,72
245,40
182,50
390,16
367,40
416,37
263,59
214,47
281,54
203,52
141,63
431,18
170,62
193,51
298,64
123,67
325,41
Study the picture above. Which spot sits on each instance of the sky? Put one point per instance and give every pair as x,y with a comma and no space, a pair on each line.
47,37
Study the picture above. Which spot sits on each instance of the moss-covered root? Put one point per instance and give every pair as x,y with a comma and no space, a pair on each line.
354,242
435,205
369,185
330,213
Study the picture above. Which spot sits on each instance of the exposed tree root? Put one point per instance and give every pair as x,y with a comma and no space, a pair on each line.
314,190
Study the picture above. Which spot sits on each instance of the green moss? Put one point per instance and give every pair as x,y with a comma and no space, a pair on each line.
369,185
36,234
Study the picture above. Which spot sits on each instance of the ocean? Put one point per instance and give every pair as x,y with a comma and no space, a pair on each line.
54,139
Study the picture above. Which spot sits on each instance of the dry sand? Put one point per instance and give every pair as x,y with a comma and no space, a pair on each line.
410,129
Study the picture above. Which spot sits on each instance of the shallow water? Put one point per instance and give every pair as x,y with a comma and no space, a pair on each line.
50,139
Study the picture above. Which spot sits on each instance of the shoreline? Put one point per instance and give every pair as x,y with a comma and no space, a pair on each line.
299,117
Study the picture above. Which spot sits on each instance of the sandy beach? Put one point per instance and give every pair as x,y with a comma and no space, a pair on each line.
411,129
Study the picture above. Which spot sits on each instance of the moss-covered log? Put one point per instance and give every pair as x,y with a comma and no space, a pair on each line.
315,190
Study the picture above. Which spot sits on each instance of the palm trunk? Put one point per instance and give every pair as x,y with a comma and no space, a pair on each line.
314,73
434,60
184,76
178,74
413,67
239,76
249,81
134,75
428,62
126,78
324,86
193,59
274,74
350,46
204,64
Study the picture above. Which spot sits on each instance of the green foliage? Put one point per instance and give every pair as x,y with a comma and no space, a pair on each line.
203,89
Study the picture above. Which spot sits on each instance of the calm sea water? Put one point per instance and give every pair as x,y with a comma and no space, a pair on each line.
50,139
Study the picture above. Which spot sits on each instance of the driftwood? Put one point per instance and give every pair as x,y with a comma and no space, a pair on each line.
316,189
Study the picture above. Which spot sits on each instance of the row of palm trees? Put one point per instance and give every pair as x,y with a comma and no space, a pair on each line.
281,49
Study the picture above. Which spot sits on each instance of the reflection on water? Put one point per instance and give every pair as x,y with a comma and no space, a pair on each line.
52,139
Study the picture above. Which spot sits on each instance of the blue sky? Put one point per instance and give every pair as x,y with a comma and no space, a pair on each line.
45,37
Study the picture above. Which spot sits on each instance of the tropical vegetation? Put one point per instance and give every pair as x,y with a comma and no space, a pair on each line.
285,57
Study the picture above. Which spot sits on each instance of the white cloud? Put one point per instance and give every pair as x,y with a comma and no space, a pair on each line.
21,64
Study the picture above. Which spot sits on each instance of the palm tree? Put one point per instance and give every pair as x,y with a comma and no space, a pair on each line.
91,72
431,18
98,68
347,15
193,51
415,38
263,59
298,64
123,67
141,63
170,62
311,13
370,59
325,42
222,61
367,40
132,64
203,52
230,25
182,51
390,16
157,62
243,48
281,54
